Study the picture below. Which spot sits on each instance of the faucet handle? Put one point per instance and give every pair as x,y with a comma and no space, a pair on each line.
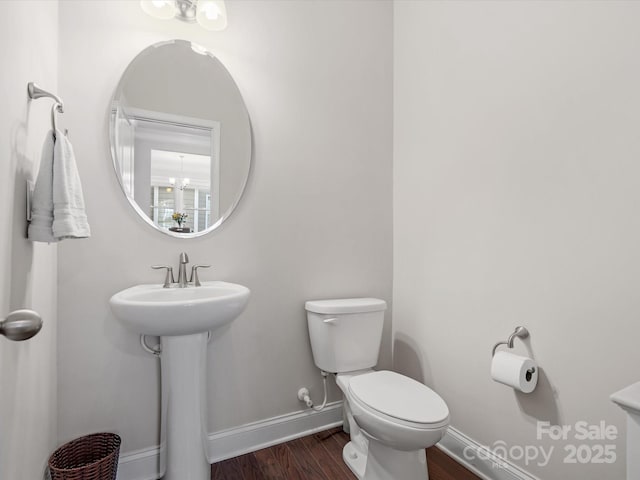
168,279
194,275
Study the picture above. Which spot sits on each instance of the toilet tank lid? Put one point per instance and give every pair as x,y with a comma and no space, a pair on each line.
346,305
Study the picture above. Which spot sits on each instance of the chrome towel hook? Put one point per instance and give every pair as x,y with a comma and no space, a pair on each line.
520,332
36,92
21,325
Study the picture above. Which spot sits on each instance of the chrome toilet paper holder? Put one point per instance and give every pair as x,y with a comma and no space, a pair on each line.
520,332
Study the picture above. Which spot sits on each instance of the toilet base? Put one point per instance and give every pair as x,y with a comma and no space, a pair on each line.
384,463
355,460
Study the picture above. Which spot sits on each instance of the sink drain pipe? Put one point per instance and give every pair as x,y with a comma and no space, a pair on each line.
157,350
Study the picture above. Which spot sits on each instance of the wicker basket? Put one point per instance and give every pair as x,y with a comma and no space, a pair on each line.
92,457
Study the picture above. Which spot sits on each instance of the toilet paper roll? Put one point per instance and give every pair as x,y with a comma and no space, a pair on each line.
515,371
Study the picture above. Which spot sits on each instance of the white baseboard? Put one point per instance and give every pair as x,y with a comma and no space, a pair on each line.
139,465
143,464
265,433
478,459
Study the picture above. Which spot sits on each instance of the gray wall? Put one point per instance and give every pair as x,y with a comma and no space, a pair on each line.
516,201
315,221
29,52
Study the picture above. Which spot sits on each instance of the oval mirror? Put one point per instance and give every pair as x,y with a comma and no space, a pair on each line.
180,138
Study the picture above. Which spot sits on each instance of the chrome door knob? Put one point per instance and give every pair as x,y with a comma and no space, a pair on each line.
21,325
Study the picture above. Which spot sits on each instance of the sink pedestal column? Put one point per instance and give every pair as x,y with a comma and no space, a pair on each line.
184,407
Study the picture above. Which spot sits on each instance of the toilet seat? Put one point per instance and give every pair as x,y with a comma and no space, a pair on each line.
399,399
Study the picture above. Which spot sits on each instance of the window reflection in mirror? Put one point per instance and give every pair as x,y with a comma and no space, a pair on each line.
189,193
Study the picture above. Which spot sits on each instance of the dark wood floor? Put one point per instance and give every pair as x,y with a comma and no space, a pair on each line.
318,457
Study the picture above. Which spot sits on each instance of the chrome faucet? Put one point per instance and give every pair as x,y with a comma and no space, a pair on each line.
194,279
169,280
182,270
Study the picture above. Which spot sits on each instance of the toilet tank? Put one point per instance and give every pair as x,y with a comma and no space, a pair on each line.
345,333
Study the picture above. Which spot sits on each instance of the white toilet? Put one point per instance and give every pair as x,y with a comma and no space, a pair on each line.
391,418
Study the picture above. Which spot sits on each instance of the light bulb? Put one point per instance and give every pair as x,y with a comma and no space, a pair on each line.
212,14
162,9
211,11
172,181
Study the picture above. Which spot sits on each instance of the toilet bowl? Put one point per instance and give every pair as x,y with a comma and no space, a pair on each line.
391,418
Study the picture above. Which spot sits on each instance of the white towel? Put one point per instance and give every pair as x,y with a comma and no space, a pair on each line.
40,228
57,210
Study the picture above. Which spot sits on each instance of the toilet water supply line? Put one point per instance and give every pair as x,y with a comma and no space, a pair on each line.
303,394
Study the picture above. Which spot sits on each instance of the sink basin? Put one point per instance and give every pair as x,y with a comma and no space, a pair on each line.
154,310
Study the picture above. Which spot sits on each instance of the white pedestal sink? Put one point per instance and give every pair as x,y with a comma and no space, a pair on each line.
182,317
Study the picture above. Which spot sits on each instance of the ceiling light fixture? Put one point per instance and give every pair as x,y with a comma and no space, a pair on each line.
209,14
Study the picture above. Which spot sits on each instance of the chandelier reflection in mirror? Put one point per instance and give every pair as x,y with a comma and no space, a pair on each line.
209,14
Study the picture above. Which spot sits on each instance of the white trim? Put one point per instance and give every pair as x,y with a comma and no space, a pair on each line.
139,465
455,443
214,188
266,433
143,464
164,117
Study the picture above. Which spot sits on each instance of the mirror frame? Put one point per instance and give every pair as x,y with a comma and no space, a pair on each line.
198,50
